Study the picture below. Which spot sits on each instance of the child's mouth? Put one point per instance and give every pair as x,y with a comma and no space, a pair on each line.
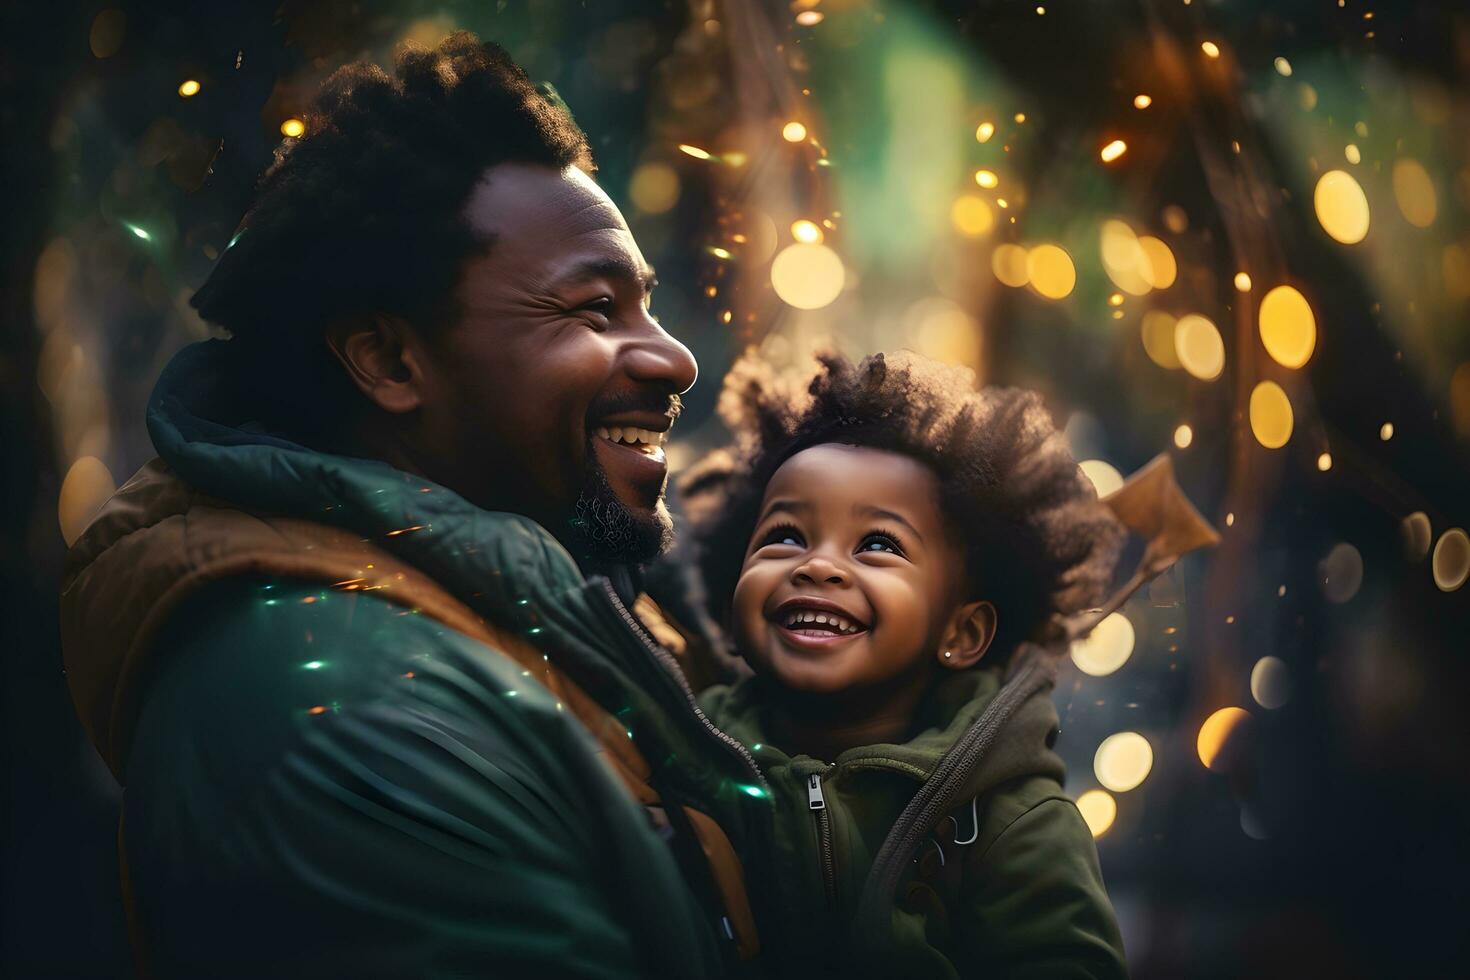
806,626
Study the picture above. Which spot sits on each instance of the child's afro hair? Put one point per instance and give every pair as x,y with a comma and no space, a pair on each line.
1038,543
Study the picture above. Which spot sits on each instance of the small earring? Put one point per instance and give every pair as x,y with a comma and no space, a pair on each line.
947,655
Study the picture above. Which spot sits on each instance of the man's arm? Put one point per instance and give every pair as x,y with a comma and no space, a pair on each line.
330,785
1033,900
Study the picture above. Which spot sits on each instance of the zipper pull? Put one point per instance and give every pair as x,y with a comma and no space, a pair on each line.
814,798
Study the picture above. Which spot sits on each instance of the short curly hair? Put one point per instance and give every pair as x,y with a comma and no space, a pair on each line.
1038,544
364,213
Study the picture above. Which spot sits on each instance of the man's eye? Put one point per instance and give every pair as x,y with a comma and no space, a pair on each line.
602,305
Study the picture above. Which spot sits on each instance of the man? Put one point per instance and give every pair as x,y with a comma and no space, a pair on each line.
360,645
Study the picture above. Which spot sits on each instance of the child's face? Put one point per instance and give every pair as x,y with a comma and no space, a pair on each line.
854,535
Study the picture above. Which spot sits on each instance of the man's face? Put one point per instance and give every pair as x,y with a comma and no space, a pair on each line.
552,395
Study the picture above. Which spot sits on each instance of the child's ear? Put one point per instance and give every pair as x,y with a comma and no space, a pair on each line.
968,636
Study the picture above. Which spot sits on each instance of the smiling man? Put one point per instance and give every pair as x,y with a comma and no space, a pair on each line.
364,645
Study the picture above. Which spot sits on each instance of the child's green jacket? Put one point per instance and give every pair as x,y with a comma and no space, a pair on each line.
1008,885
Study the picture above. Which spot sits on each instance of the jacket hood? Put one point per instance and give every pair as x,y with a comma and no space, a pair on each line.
222,486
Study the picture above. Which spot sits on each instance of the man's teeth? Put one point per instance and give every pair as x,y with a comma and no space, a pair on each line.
630,435
837,623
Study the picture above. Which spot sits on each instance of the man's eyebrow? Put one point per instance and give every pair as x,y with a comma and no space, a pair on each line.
889,515
784,505
610,267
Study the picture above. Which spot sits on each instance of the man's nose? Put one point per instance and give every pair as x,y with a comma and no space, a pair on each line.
656,358
819,570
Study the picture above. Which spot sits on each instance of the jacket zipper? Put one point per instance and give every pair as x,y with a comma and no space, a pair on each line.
671,670
937,797
817,802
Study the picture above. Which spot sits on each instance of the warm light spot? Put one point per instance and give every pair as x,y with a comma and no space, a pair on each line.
85,488
1020,117
1000,202
806,231
1451,562
986,178
1417,534
1123,761
1243,282
1270,682
792,132
972,217
1050,271
1008,262
1342,207
984,131
1176,219
1158,339
654,188
293,128
308,600
1106,648
1361,128
940,329
1124,259
1211,49
1214,732
1183,436
1104,476
319,709
1283,67
1113,151
1454,268
735,158
1414,191
1115,300
1098,809
188,87
1385,431
1460,396
1142,101
810,18
108,29
698,153
1271,415
727,316
1324,462
1341,573
1307,97
1353,154
1230,520
1159,268
138,232
1198,346
1288,328
405,530
806,276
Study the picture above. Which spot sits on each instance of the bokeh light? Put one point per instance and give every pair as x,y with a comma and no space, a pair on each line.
1342,207
1385,431
654,188
1451,561
1158,268
1198,347
1104,476
1183,436
1341,573
1008,262
1270,683
1098,809
1157,329
1050,271
1113,151
1123,761
1418,534
984,131
1414,192
793,132
971,216
1288,328
1106,648
293,128
807,232
1216,730
1124,259
86,487
1270,414
807,277
1324,462
986,178
1243,282
188,88
1141,101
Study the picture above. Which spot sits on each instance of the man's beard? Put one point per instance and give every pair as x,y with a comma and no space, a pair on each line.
609,531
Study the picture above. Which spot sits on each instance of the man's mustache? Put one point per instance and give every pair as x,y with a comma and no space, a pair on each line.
636,401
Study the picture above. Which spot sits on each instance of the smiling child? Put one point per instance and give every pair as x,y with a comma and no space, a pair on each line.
887,550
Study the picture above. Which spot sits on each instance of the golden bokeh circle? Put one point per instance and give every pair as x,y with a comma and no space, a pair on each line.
1008,262
1451,562
1158,339
1123,761
1270,414
1342,207
971,216
807,276
1288,328
1050,271
1215,731
1106,648
1414,192
1098,809
1198,346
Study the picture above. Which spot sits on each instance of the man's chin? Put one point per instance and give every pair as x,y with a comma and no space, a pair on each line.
613,530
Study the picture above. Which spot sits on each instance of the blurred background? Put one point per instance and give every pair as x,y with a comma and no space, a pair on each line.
1233,231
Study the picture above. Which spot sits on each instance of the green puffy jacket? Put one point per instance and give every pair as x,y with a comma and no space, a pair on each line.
321,780
954,854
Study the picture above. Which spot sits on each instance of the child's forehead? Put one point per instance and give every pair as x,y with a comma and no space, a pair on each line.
841,473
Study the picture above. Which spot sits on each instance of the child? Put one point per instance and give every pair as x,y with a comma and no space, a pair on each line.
883,550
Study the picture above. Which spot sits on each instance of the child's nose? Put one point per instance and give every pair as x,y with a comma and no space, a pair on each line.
817,569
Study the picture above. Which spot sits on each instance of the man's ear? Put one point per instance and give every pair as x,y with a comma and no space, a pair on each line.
380,357
969,635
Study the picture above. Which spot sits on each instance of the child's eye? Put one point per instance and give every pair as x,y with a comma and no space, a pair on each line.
878,541
783,535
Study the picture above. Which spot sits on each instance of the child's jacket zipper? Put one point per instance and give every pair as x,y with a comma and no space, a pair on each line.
817,802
